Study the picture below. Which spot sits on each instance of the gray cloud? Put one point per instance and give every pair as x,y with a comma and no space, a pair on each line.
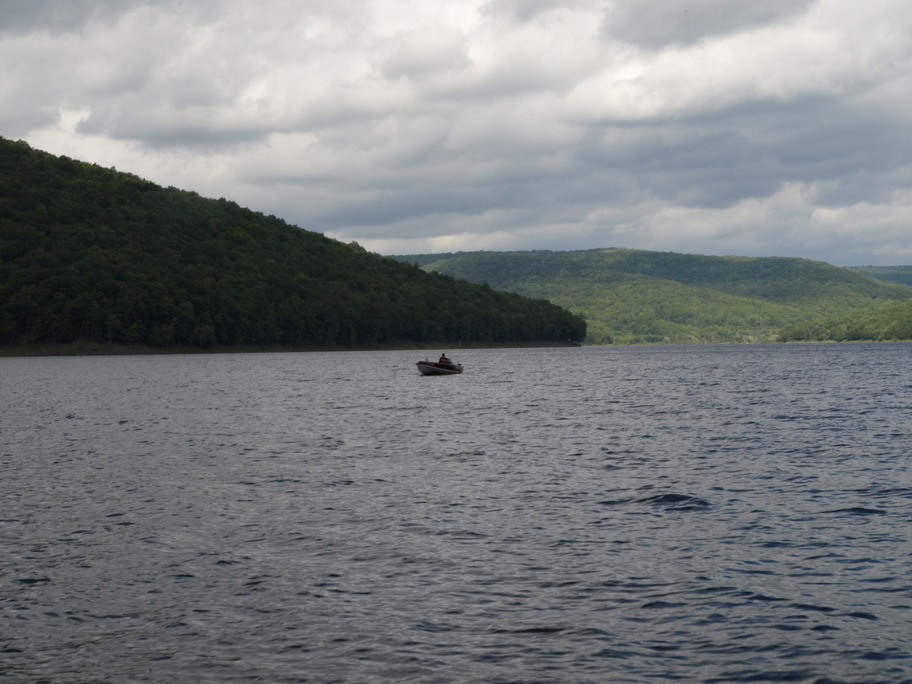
57,15
658,23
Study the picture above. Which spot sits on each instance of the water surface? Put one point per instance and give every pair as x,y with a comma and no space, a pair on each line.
617,514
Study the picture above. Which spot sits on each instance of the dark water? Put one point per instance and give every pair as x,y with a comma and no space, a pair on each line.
694,514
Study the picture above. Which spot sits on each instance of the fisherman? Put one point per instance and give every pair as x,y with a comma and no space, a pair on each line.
444,359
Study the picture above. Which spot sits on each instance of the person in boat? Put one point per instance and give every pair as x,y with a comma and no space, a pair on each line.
444,359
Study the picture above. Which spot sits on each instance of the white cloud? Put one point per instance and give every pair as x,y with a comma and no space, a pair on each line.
502,123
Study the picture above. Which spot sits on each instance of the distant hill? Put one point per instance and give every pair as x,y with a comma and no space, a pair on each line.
92,255
634,296
894,274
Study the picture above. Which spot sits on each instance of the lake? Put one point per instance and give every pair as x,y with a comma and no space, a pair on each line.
595,514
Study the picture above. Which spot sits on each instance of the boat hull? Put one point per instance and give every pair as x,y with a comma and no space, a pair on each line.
434,368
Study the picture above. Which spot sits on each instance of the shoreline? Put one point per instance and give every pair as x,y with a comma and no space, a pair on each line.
110,349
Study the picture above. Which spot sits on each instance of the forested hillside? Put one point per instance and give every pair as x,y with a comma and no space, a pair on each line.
92,254
634,296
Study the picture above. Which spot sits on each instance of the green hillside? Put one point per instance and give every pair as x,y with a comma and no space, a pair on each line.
92,255
633,296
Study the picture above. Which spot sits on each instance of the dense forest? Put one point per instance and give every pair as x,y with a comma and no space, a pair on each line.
635,296
89,254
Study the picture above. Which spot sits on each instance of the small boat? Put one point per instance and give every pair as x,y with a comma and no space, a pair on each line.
442,367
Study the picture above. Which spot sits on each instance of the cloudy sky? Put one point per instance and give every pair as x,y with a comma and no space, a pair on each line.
771,128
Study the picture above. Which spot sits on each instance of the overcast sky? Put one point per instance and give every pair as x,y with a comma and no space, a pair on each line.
769,128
